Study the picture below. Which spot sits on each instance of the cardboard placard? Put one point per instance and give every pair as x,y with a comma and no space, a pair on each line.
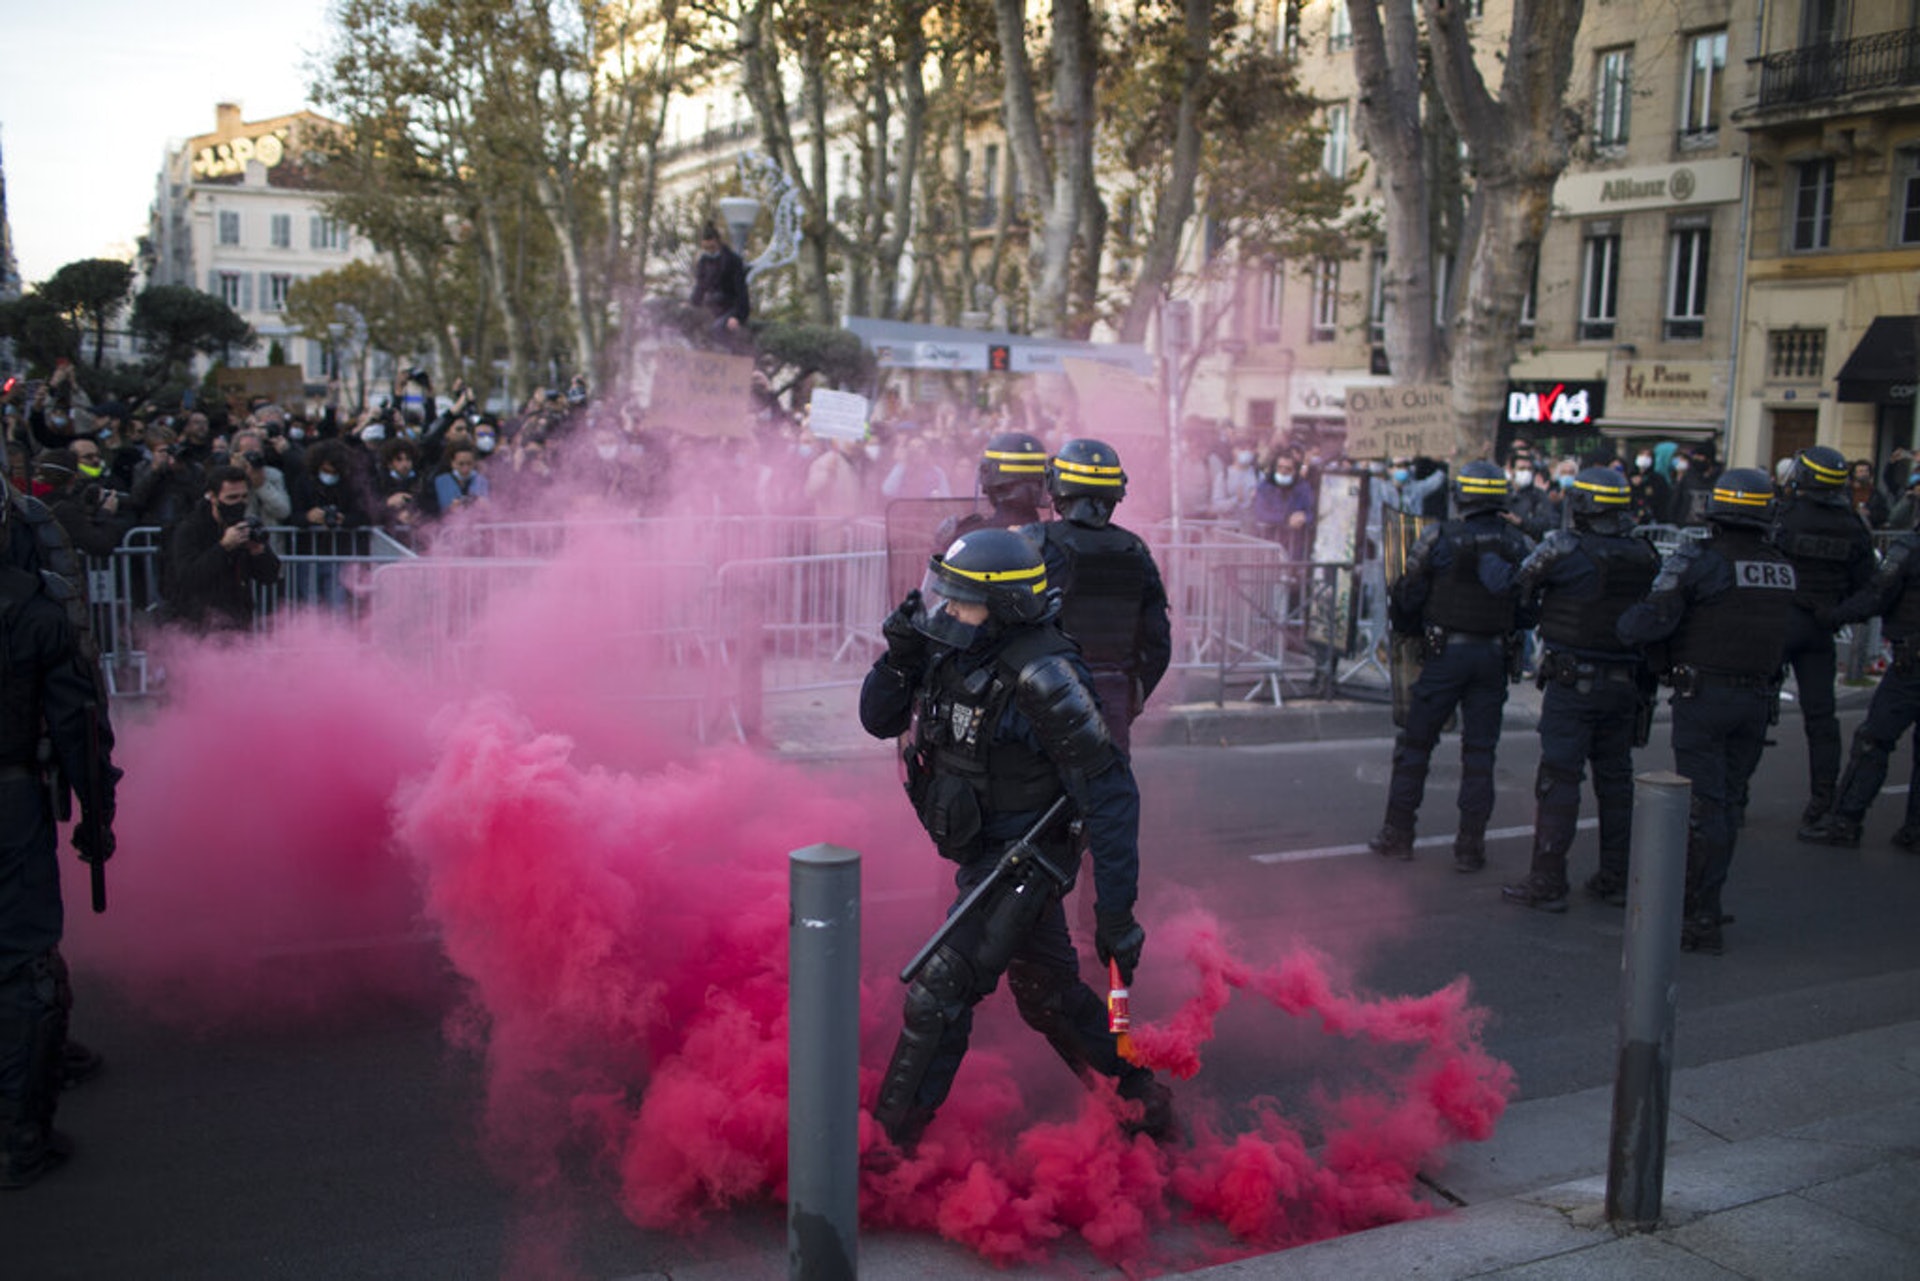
284,385
700,393
1400,422
838,415
1114,401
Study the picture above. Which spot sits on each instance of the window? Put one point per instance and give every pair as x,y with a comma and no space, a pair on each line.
1797,355
1272,293
227,285
1326,300
229,226
1906,195
280,231
1612,94
1700,95
1600,282
277,285
1687,282
1340,28
326,233
1333,155
1530,305
1812,225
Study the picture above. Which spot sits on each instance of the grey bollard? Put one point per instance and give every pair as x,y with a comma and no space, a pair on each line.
823,1064
1656,892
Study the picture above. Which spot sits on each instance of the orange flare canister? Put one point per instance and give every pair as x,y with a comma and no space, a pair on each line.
1119,1017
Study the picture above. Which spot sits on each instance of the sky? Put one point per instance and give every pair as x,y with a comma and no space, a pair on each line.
95,90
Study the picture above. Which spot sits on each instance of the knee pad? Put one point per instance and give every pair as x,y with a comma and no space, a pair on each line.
1037,991
939,992
1551,776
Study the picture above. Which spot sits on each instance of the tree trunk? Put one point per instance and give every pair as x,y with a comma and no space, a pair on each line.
1072,125
1387,58
1174,209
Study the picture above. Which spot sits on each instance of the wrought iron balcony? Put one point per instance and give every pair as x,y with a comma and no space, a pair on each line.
1817,73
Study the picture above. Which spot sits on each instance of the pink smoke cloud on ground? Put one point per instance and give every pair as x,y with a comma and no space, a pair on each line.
315,821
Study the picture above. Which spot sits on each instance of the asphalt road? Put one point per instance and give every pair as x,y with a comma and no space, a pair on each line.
347,1149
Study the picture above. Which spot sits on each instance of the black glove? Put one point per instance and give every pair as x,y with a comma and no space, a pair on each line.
1118,937
94,839
906,644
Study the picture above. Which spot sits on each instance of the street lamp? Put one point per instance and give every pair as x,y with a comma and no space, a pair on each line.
739,213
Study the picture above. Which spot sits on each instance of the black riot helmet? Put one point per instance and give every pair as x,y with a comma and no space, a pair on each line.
1480,486
1013,470
1086,481
1599,496
996,568
1819,472
1742,496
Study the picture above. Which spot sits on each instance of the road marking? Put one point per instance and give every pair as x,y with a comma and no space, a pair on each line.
1341,851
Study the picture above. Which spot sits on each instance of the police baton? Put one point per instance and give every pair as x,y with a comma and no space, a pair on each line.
1022,852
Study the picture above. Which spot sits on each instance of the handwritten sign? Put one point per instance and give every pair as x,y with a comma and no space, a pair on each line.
284,385
1113,401
838,415
700,393
1399,422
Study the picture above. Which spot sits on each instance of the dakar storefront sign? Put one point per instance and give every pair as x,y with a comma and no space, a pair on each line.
1399,422
224,159
1556,404
1668,389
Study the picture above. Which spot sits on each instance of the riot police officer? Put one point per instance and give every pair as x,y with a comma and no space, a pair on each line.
1832,554
1460,590
48,696
1111,598
1721,609
1893,593
1013,477
1581,580
1005,725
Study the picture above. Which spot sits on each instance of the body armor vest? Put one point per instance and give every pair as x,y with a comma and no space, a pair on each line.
958,714
1903,620
1624,569
1459,601
19,695
1821,541
1103,584
1742,630
53,553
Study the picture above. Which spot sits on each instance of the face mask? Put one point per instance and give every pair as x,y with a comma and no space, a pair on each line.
91,470
1401,475
1523,478
1282,481
296,433
1679,465
484,444
806,451
232,513
105,433
1643,461
396,473
329,478
872,452
410,433
1244,457
1566,482
607,452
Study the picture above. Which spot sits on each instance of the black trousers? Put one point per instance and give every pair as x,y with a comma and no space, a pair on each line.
1470,674
30,925
1810,654
1719,733
1895,706
1579,726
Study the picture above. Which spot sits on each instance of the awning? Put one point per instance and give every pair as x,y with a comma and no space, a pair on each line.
1883,368
1634,429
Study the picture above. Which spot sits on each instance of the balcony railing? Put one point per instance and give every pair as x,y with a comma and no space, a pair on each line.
1819,72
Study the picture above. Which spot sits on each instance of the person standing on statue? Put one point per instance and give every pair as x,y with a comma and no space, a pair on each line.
1007,750
1832,554
720,288
1460,591
1579,582
1720,611
1112,599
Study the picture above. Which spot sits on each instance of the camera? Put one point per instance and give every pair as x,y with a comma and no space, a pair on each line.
333,517
255,458
171,450
94,497
255,528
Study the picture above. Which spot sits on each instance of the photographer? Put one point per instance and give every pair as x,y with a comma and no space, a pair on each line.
165,485
217,554
397,485
88,511
336,496
268,502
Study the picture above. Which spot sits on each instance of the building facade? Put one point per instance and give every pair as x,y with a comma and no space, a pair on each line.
238,214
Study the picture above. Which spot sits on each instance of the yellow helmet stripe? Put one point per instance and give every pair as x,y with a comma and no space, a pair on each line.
1090,473
1037,573
1832,475
1605,493
1482,485
1740,498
